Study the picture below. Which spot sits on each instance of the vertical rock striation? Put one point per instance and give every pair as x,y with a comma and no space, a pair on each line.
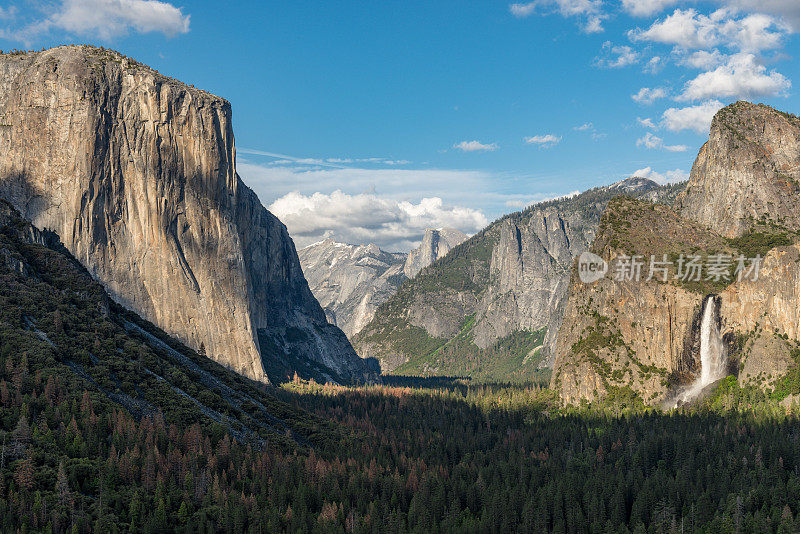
136,174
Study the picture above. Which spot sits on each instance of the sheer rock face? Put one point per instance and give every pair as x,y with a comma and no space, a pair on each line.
655,325
748,170
350,281
529,275
632,333
136,174
435,244
765,311
655,328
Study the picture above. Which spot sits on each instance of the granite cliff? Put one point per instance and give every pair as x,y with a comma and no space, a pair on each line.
747,173
436,243
136,174
492,306
641,338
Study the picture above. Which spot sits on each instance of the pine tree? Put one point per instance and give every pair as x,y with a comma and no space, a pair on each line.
58,322
24,473
22,436
62,485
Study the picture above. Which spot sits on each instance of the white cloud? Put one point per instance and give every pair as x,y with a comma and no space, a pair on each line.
702,59
654,65
697,118
475,146
590,11
646,8
544,141
523,10
668,177
741,77
652,142
367,218
789,10
692,30
615,57
647,123
584,127
646,95
105,19
8,13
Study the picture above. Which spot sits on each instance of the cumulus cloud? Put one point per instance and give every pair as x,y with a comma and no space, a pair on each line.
367,218
789,10
668,177
652,142
741,77
692,30
697,118
616,57
589,11
646,8
105,19
475,146
586,127
646,95
544,141
702,59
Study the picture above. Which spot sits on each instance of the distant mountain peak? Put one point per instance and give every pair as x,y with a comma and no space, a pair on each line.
436,243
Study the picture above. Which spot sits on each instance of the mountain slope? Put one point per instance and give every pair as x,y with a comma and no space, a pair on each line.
136,174
492,298
435,245
60,323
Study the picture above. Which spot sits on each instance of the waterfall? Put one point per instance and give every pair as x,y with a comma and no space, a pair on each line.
712,352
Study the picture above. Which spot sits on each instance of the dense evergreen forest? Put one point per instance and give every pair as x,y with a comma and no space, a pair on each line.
108,425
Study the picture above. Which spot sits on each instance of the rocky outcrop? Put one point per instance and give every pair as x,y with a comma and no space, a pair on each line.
743,191
435,244
350,281
747,173
506,283
529,275
643,333
765,315
136,174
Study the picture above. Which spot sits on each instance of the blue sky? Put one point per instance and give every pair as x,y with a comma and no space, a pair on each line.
369,122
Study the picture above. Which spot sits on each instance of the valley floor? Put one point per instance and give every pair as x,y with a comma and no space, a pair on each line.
436,456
